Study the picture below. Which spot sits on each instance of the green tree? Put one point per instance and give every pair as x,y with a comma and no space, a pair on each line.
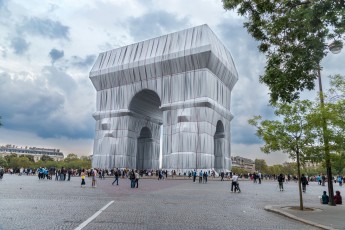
292,135
71,157
19,162
46,158
9,157
338,162
260,165
30,157
3,162
293,34
275,169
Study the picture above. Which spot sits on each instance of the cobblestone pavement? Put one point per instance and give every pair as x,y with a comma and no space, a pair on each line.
27,203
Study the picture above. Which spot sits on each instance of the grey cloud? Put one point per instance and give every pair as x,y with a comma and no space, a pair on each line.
19,45
56,54
38,105
155,24
83,62
46,28
249,97
59,79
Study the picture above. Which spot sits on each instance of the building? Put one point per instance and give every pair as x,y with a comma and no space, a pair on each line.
243,163
181,82
37,153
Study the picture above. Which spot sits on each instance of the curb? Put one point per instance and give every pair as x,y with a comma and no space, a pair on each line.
270,208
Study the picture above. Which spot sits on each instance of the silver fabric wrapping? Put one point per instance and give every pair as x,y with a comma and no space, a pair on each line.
182,81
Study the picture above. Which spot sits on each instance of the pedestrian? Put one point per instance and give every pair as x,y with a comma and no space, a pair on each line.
281,179
93,177
132,178
205,177
82,179
304,182
116,175
137,176
340,180
69,172
234,183
222,176
200,176
259,177
323,178
194,175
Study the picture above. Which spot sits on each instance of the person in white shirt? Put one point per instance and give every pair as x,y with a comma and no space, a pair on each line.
234,183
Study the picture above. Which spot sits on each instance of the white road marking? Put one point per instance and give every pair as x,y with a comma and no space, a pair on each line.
82,225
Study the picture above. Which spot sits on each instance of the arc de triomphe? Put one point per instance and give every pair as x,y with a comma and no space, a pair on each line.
182,81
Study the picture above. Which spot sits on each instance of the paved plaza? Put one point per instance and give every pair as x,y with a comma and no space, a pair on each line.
28,203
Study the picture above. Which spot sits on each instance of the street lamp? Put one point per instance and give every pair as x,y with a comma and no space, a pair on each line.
335,48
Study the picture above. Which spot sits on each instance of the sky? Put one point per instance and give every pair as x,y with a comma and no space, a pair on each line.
47,49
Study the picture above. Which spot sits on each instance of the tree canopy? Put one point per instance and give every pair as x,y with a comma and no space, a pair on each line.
294,35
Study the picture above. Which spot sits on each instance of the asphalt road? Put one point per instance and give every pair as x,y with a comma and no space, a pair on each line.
29,203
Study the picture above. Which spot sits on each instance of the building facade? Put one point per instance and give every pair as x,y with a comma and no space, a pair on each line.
243,163
37,153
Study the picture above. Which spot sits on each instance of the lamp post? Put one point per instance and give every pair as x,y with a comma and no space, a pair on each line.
335,48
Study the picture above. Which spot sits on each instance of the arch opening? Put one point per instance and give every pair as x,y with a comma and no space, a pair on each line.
147,118
147,103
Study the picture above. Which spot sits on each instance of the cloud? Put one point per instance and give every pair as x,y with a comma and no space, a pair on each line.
50,104
155,24
19,45
83,62
249,97
45,28
56,54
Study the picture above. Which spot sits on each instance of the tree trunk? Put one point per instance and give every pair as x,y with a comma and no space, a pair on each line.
299,182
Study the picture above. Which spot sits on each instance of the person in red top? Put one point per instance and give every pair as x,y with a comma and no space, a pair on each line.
337,198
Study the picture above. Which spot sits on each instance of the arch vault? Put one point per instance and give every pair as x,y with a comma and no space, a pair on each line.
182,81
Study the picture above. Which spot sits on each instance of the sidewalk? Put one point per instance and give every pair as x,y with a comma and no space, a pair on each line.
322,216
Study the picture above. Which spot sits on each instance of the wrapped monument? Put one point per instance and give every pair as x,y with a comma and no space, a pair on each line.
180,81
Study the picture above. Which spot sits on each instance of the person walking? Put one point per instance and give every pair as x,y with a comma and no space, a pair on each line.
82,179
132,178
234,183
205,177
194,175
116,175
281,179
304,182
137,176
93,176
200,176
69,172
